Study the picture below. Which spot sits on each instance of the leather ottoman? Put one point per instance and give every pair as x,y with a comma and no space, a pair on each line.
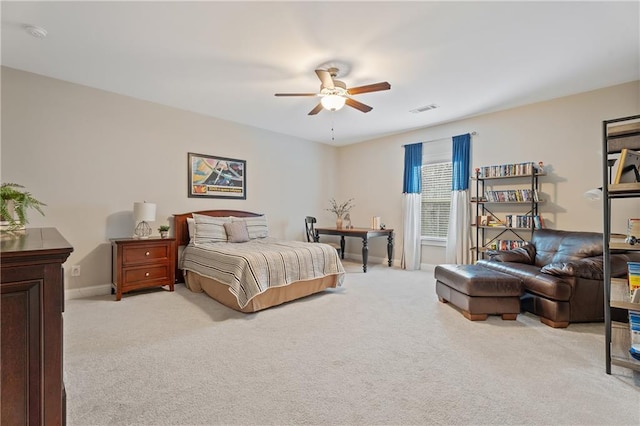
479,291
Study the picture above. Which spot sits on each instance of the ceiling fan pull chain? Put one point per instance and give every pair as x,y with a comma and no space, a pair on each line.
332,134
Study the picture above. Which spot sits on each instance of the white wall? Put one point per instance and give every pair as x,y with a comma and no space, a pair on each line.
564,133
89,155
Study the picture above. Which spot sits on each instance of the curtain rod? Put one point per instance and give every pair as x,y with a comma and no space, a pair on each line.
434,140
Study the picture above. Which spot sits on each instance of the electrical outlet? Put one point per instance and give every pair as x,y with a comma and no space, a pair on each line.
75,271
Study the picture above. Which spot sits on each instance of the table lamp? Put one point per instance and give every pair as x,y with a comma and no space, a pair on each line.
142,213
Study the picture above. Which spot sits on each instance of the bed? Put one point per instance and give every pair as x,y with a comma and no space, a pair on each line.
254,275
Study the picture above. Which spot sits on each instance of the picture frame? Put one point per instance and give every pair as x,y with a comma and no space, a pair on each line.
212,176
628,167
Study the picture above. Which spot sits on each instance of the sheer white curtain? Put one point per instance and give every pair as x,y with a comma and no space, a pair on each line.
411,206
459,236
412,212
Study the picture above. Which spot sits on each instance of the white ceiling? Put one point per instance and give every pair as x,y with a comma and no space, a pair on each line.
227,59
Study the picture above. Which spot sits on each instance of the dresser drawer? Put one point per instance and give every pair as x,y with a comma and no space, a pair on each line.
146,274
133,255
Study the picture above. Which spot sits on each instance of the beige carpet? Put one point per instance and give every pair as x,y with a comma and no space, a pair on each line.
380,350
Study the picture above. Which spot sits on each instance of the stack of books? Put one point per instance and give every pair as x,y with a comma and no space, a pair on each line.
634,325
512,196
634,275
503,170
634,316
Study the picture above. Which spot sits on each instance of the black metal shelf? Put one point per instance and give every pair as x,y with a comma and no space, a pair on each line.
615,136
487,235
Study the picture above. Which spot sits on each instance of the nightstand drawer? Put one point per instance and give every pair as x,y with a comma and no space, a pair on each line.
132,255
146,273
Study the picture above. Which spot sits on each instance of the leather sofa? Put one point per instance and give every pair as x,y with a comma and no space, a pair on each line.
561,273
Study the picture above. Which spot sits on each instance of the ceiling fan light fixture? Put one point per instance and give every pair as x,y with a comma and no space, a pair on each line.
333,102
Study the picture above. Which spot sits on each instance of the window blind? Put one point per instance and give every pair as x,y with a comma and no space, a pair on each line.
436,199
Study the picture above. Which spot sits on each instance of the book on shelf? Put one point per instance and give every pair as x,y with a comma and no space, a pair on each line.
507,244
512,195
505,170
634,275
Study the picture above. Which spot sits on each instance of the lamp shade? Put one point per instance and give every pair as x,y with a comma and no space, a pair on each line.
144,212
333,102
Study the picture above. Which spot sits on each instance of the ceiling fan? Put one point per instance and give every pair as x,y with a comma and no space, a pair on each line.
334,94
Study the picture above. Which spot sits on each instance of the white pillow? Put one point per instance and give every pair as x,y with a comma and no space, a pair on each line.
257,226
209,229
191,227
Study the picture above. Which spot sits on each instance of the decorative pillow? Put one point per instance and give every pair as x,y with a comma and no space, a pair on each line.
237,232
257,226
209,229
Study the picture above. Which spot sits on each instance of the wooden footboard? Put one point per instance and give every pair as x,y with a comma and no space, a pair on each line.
271,297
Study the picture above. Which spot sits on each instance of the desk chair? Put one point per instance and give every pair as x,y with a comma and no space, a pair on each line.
311,233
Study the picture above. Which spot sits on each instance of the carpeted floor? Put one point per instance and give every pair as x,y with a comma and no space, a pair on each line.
379,350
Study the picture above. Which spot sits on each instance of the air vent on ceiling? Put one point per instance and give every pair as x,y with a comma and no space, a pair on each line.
424,108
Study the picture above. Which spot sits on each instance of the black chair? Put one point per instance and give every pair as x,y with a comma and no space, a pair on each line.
311,233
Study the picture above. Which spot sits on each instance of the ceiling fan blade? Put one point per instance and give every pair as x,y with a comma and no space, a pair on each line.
296,94
316,110
325,78
358,105
376,87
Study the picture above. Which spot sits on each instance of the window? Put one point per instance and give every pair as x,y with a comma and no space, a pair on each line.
436,191
436,199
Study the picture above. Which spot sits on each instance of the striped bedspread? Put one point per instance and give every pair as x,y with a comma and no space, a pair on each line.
251,268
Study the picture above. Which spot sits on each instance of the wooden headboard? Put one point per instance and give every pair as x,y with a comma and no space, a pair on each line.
181,230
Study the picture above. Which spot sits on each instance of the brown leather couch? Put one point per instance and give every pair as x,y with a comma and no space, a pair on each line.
562,275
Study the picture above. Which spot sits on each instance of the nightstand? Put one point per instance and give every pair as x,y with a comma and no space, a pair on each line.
142,263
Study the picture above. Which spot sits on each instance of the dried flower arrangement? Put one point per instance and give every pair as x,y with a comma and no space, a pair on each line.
340,209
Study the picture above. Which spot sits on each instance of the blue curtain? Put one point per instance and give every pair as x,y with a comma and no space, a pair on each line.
460,172
412,168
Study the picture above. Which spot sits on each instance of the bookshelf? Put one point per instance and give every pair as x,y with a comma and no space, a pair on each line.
506,205
617,134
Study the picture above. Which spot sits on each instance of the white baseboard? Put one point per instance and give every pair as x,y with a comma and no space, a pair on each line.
78,293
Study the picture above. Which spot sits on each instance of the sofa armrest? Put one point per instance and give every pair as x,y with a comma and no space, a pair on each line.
525,254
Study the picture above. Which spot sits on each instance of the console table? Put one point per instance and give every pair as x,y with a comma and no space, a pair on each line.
363,233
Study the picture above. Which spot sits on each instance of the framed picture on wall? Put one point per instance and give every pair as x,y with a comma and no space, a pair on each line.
211,176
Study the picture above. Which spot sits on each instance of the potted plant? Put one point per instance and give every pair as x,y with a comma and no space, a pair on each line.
340,210
14,203
164,231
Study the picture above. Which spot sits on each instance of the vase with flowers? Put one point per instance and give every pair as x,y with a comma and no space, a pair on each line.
340,209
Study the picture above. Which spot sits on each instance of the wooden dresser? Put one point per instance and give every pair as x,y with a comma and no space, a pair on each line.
142,263
31,306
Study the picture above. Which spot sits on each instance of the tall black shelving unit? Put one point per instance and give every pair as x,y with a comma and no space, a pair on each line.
617,134
486,235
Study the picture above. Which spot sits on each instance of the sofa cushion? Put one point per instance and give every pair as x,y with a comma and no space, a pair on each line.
534,280
590,268
553,246
474,280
